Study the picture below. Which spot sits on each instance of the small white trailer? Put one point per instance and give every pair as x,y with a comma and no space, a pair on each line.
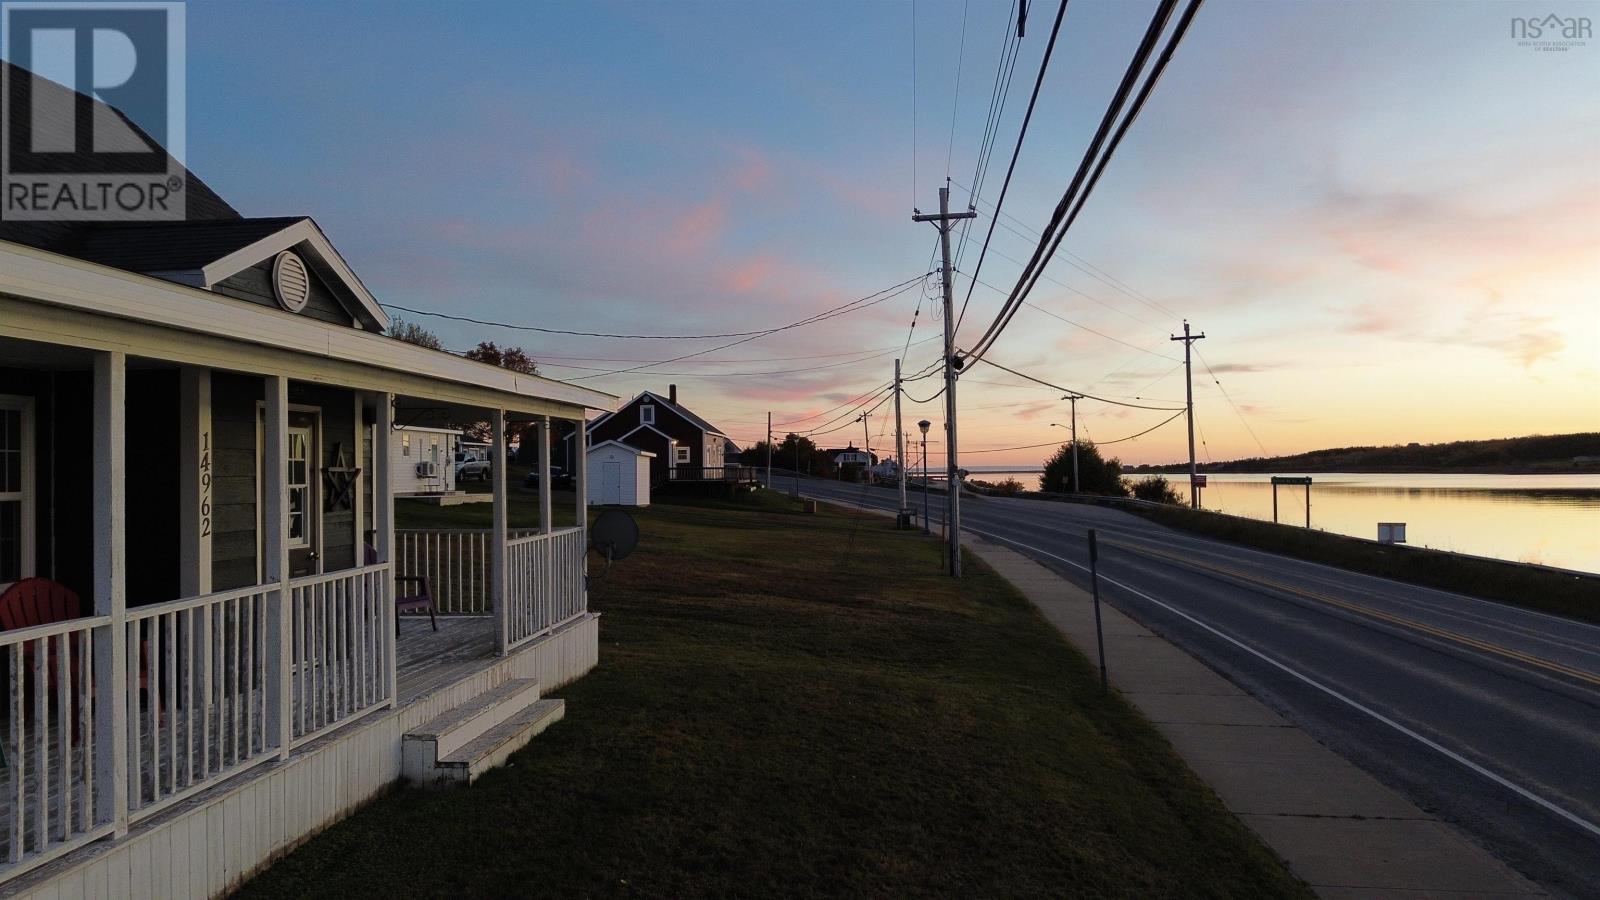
424,459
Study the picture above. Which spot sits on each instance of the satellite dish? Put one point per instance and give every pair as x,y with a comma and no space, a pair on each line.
614,534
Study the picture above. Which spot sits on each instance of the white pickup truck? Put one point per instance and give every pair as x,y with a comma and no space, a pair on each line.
471,468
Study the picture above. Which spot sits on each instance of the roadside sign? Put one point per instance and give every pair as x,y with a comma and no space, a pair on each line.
1392,532
1199,481
1291,479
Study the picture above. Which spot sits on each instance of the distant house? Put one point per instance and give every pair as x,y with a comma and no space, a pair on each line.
686,446
851,455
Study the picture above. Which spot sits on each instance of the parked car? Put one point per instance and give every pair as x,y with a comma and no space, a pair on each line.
471,469
559,479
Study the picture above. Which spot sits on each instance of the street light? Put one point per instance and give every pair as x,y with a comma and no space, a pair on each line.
924,426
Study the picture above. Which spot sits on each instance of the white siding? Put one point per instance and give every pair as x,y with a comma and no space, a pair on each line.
618,475
421,440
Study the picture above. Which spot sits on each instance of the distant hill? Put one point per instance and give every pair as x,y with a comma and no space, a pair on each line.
1522,455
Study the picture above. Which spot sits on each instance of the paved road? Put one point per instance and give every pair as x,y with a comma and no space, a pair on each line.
1483,714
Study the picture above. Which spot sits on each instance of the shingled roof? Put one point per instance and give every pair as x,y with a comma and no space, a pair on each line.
201,203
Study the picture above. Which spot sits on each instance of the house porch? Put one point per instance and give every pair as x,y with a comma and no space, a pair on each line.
236,639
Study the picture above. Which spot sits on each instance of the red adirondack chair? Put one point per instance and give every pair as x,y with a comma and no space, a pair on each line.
40,601
419,598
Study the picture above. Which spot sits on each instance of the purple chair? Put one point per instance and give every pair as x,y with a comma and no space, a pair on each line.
419,599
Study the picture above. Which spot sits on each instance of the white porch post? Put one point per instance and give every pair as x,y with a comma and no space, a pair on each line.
497,548
110,591
580,485
546,491
383,524
580,470
196,462
275,562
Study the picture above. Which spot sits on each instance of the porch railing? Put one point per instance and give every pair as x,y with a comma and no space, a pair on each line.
197,695
340,624
456,563
544,582
52,799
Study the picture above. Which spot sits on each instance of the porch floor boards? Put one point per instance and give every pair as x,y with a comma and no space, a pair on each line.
427,660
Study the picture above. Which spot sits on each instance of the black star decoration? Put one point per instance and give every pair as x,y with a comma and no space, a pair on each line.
341,479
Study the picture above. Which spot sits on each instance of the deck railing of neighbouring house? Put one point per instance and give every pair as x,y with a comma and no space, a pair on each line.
197,695
712,473
456,563
340,629
55,777
544,582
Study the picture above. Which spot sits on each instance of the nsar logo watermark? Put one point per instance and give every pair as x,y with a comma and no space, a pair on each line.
94,121
1552,33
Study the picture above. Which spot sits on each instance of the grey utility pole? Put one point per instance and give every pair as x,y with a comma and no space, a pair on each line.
1188,380
866,444
943,221
1076,488
899,449
769,449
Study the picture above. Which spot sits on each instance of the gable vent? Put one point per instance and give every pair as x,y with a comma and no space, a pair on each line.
290,283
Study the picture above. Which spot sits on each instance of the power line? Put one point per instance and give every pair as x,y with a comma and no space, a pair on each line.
1083,181
1005,187
1022,230
1236,411
1068,390
837,365
852,306
1096,443
843,308
1083,326
955,104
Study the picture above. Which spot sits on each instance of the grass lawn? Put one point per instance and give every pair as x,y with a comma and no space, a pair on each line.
801,705
522,507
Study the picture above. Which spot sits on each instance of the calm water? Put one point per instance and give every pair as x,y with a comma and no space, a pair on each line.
1553,520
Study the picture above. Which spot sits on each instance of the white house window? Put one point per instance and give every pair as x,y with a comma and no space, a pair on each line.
299,478
681,454
405,445
647,414
16,489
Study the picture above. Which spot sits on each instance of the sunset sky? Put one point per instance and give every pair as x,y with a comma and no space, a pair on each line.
1384,216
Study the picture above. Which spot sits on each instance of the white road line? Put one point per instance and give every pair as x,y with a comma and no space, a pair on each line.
1574,818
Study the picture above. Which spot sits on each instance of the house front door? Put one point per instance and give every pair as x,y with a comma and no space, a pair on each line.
305,513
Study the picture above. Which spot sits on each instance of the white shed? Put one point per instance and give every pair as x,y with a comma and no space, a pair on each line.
619,475
423,459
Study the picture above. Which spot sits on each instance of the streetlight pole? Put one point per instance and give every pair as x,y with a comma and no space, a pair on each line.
924,426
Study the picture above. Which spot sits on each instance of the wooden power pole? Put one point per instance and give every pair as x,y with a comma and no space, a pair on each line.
944,222
1188,380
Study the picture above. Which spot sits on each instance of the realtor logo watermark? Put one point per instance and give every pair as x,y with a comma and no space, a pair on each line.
1552,33
65,157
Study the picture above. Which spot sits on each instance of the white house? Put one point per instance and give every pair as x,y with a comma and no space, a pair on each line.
424,459
222,669
619,475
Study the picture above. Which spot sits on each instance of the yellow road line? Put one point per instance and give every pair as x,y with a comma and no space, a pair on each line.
1381,615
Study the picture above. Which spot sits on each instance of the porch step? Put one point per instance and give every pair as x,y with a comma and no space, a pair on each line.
450,731
491,748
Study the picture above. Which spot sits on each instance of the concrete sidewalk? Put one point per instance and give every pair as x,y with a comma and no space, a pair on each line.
1338,828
